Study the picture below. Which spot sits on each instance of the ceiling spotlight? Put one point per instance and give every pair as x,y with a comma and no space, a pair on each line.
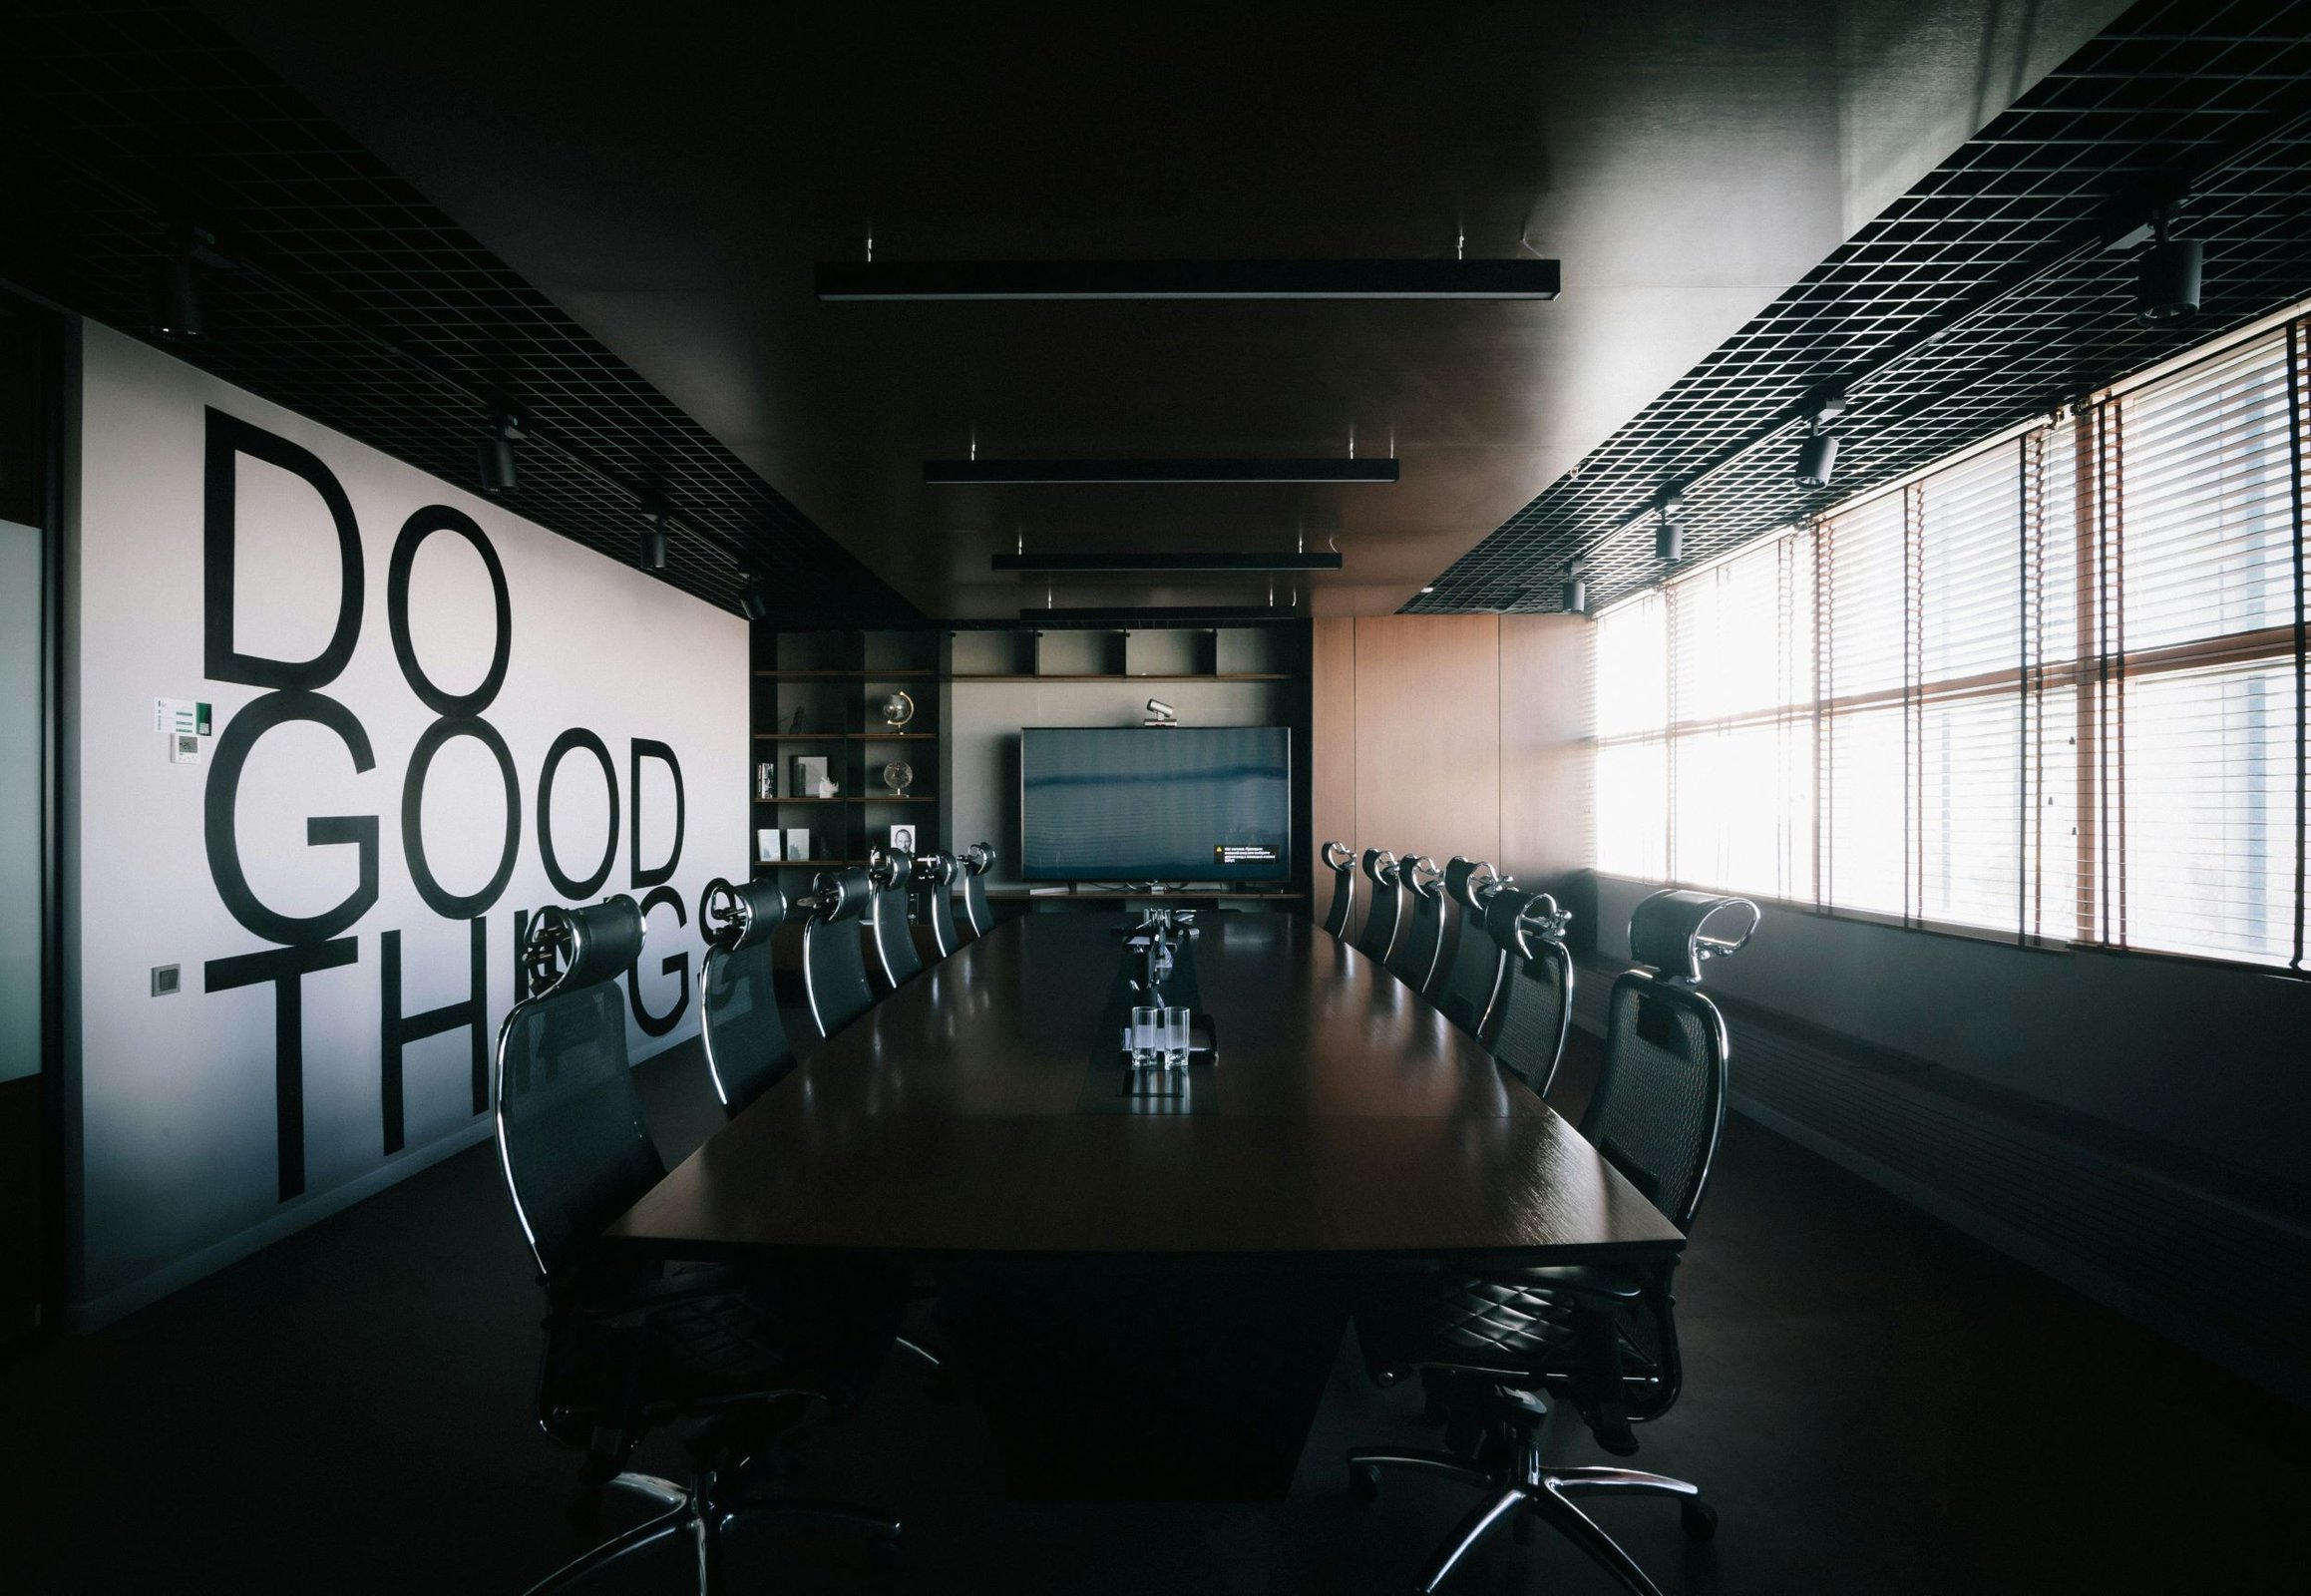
1576,595
753,600
2168,272
499,477
1668,536
1431,587
1668,540
650,545
1816,458
174,299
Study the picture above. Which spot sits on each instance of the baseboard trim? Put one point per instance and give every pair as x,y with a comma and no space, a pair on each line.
2289,1380
97,1312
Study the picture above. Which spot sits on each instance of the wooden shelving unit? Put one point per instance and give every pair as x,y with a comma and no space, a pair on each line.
960,679
1122,675
838,679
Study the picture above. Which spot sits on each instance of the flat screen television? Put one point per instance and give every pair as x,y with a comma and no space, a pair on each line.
1155,803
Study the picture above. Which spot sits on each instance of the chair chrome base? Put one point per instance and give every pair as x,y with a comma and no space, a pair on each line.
696,1511
1524,1491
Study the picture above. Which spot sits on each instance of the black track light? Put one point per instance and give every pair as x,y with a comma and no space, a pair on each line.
174,300
1817,455
2168,274
753,600
499,476
1668,536
650,545
1668,540
1816,458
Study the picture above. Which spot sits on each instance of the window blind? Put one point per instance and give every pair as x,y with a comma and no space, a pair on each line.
2051,689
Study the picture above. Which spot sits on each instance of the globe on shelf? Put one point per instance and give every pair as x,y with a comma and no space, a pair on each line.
897,775
898,709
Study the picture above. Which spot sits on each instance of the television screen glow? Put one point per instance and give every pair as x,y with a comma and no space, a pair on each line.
1156,803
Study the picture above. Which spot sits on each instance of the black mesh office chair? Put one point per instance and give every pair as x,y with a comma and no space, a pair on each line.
629,1348
896,961
1532,1013
1472,975
931,891
747,1052
1379,930
1413,958
1341,861
834,966
975,862
1602,1338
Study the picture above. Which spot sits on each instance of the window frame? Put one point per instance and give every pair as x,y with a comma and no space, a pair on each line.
2089,678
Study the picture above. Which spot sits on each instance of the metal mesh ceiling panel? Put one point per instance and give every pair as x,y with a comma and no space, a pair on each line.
2003,253
363,306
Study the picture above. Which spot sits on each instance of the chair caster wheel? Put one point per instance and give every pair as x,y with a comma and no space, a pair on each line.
1696,1518
1364,1484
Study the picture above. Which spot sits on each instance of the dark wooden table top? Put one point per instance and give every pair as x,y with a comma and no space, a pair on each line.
1355,1123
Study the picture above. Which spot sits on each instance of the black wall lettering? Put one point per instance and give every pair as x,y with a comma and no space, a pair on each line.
679,966
396,1031
224,790
639,749
285,967
228,437
575,888
414,531
521,950
443,902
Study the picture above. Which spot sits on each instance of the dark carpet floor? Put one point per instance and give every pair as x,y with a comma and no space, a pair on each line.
1874,1403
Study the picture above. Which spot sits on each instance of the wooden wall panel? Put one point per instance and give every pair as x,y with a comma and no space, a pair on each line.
1427,711
1547,818
1332,758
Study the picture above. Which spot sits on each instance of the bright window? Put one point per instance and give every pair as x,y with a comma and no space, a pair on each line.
2051,689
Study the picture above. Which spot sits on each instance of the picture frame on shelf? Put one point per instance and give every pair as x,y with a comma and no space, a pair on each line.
797,845
766,844
902,838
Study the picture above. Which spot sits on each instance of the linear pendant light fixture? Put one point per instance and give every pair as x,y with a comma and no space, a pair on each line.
1088,559
1051,473
872,281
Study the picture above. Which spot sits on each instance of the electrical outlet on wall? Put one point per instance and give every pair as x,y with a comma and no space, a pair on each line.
166,979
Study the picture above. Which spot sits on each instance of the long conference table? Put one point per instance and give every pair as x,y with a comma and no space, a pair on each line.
1147,1294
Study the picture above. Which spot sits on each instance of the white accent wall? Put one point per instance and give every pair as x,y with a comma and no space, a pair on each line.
190,1143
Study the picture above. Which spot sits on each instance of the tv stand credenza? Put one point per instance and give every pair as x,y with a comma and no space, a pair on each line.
1108,896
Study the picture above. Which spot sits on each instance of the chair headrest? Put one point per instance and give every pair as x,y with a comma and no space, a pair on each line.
978,858
1420,872
1518,921
1340,856
889,868
841,894
938,869
1471,880
1381,867
568,949
1673,931
742,916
